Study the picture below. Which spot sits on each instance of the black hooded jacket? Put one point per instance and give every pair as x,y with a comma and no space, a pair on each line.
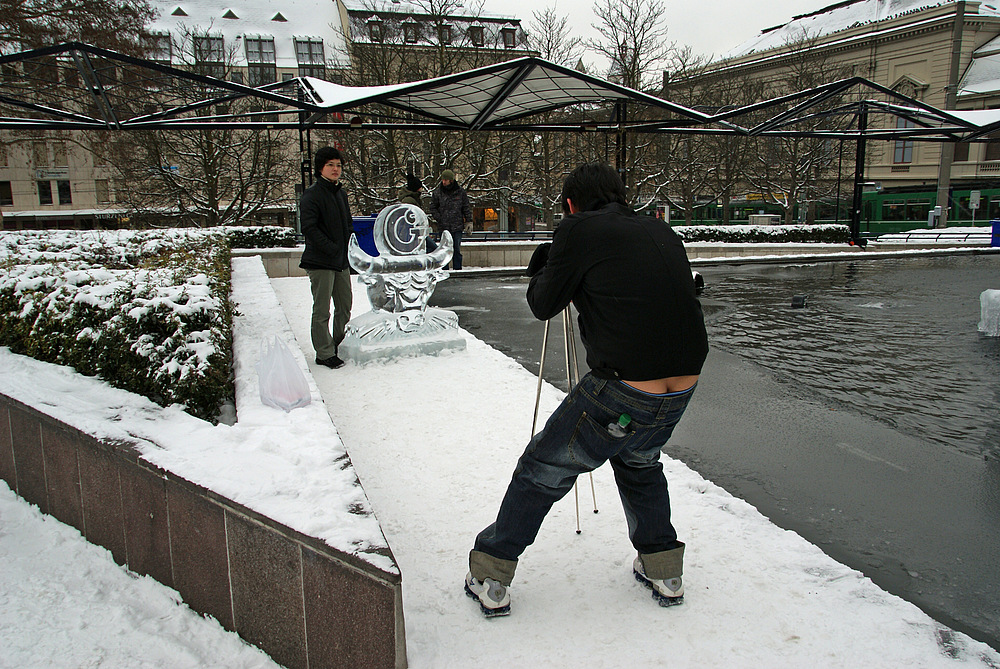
629,277
326,225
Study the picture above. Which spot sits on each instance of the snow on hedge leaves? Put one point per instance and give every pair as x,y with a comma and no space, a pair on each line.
147,311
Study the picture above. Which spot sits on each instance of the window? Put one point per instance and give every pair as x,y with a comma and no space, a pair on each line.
309,54
411,31
375,30
260,49
444,34
961,152
903,148
59,158
260,58
208,56
6,194
476,36
101,191
65,194
40,154
161,47
509,38
992,150
44,192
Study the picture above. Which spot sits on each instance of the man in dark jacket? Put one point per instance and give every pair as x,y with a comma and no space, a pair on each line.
327,227
450,208
642,326
410,193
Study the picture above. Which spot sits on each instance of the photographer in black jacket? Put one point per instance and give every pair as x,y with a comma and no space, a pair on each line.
642,326
327,226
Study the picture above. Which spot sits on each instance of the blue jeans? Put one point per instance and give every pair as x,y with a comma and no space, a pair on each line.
575,440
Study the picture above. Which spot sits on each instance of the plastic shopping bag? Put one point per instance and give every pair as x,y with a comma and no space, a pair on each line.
282,383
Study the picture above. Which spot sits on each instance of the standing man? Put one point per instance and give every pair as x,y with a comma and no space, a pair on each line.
327,227
643,329
450,207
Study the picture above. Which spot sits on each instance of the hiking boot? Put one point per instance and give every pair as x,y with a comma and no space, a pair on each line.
333,362
493,597
666,592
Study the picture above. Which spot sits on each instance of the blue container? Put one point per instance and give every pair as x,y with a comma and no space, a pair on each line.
363,229
995,239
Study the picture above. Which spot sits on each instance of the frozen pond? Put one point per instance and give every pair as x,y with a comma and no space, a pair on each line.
859,421
896,340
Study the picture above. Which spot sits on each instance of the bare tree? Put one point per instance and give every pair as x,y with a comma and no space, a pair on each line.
203,177
633,40
113,24
794,172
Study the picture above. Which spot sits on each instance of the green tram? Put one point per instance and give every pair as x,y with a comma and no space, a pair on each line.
889,210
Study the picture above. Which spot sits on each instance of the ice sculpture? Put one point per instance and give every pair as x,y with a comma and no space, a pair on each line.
400,281
989,322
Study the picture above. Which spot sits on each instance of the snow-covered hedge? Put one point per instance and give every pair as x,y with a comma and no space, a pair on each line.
261,236
744,234
147,311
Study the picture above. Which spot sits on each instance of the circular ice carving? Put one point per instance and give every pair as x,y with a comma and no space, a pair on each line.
401,229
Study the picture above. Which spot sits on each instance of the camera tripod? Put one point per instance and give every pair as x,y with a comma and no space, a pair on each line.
572,378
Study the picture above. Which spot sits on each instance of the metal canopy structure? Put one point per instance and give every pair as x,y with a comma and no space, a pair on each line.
76,86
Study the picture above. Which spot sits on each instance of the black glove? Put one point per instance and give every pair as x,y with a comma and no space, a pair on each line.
538,259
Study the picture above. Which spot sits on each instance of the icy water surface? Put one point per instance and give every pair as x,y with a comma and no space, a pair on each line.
895,339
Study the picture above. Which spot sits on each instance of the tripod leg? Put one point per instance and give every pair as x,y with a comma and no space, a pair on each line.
576,498
573,376
541,368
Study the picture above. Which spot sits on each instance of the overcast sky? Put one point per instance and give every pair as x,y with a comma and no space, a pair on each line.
707,27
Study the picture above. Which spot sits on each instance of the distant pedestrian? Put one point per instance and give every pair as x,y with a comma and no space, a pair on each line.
411,192
642,326
450,207
327,226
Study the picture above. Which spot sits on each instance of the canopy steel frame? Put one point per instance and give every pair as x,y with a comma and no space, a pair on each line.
500,97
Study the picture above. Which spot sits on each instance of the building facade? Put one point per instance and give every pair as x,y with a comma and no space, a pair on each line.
55,179
946,54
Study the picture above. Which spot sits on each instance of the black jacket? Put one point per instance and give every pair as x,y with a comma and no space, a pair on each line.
629,277
326,225
450,207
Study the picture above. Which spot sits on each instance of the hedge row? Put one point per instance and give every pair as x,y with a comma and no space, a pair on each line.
750,234
146,311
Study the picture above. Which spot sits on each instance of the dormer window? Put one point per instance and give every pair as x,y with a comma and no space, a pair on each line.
375,30
477,36
230,14
178,12
411,31
309,54
444,34
260,60
160,47
209,54
509,38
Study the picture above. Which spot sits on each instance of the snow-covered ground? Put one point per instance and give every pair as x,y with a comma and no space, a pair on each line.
434,440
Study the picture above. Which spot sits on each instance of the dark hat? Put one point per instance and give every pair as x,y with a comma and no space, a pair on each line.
448,174
413,183
325,155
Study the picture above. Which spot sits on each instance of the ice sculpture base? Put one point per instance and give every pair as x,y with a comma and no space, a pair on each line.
989,323
382,335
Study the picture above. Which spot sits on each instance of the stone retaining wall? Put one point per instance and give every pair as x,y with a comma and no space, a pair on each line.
304,603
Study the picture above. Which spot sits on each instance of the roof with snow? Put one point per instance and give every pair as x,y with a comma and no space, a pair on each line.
844,16
283,20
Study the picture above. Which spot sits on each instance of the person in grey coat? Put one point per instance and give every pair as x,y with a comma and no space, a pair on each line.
327,226
451,209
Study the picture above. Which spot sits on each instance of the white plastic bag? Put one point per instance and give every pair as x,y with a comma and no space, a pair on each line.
282,383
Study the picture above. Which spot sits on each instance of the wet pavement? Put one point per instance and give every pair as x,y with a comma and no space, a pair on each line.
859,422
